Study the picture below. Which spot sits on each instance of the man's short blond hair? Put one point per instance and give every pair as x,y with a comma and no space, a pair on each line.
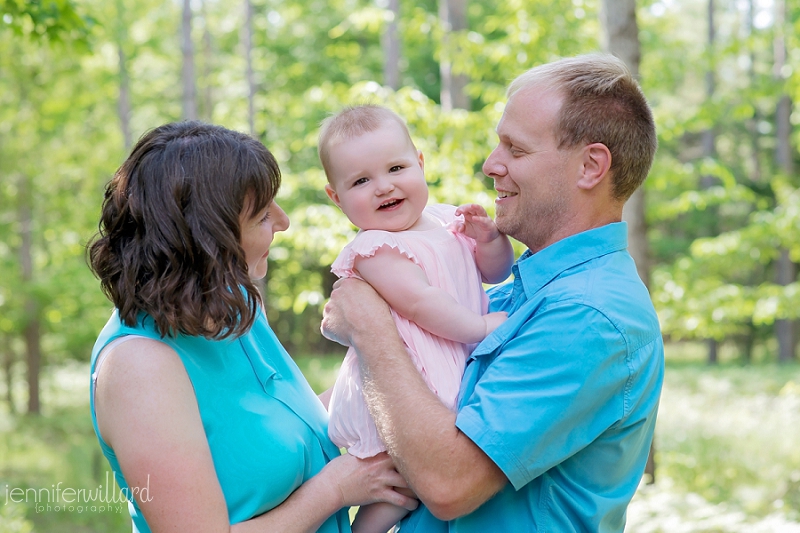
602,103
351,122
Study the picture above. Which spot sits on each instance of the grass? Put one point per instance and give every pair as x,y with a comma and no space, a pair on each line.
727,458
727,454
55,450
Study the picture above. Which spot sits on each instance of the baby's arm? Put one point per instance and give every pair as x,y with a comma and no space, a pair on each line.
494,254
405,287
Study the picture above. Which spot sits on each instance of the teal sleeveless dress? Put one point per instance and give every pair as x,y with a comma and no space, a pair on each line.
267,430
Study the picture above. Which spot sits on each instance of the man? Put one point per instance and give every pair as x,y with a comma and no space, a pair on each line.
558,405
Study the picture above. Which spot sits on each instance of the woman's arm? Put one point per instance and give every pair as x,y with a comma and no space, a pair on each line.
406,289
494,254
147,412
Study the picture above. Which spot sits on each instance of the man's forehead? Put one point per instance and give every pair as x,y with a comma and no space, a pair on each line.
532,103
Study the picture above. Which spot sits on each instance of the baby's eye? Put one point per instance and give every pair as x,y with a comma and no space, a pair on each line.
359,181
396,168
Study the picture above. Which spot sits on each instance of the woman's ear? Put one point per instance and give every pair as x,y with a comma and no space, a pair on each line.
596,164
331,192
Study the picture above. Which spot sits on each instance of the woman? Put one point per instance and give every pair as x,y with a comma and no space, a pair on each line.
206,421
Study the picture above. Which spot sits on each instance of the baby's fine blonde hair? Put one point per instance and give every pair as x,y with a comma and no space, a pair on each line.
351,122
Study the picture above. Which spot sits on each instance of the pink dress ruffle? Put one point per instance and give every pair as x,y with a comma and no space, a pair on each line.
448,260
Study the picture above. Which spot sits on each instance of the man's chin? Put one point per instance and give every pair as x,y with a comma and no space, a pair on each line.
503,221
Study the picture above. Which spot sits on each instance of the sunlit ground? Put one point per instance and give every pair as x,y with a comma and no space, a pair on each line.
728,458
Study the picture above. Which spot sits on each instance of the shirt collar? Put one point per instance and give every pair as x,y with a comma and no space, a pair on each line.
538,269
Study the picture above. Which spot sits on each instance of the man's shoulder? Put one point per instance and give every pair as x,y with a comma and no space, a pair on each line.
600,278
610,286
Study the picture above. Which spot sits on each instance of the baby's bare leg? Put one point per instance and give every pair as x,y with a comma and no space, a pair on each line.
377,517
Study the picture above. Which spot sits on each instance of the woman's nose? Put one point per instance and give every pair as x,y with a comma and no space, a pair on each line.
281,219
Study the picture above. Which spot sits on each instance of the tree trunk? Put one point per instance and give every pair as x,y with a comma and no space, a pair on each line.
752,124
8,369
634,214
785,329
187,47
620,37
786,270
712,349
709,145
391,48
207,108
124,103
247,39
748,344
31,329
620,34
247,45
453,16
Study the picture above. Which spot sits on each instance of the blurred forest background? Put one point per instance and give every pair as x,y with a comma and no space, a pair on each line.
715,230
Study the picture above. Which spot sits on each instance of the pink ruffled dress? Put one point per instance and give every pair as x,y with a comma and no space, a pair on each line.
448,259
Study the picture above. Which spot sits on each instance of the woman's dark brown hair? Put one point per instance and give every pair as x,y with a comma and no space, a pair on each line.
169,236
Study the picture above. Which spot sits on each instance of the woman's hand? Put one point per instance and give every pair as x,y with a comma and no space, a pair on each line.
365,481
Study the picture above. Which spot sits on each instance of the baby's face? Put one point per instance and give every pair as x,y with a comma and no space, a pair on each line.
378,179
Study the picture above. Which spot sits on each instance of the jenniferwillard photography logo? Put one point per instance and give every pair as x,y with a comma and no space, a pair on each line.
104,498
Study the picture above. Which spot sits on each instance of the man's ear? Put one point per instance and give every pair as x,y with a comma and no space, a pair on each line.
596,164
332,195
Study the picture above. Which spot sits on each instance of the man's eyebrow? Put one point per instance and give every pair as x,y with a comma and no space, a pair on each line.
508,138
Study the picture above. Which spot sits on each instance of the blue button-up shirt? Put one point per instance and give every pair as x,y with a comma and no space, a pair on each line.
563,395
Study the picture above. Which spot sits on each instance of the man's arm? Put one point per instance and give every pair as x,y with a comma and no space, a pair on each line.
446,470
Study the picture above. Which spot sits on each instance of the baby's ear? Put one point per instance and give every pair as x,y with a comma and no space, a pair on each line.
421,160
332,195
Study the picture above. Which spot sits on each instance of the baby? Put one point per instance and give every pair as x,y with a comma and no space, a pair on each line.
427,262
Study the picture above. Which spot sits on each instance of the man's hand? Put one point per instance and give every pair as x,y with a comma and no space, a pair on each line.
354,307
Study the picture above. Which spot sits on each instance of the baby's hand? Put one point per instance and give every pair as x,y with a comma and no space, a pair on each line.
493,320
477,223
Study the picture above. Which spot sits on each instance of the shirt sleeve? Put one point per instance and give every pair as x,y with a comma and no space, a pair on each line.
547,393
366,244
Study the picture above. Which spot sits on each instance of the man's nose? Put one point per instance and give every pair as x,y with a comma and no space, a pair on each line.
492,167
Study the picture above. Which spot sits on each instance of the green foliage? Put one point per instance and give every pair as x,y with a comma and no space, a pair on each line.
714,242
53,20
719,221
58,180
